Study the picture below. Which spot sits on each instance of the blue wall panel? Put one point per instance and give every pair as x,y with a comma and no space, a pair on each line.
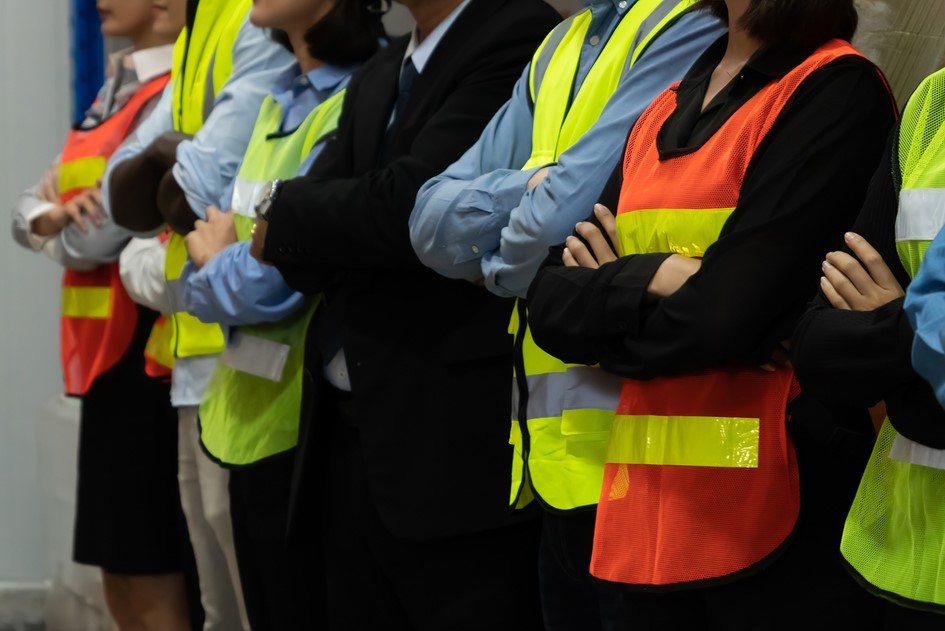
88,56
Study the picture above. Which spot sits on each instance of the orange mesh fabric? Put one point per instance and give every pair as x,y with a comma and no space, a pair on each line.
663,525
90,346
677,524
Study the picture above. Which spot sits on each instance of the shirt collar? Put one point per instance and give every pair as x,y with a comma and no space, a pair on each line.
772,61
590,4
323,78
420,52
148,63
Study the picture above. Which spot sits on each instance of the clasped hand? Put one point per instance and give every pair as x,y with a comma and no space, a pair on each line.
84,207
848,285
209,237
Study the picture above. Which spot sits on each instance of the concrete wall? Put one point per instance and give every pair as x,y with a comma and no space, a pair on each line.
34,116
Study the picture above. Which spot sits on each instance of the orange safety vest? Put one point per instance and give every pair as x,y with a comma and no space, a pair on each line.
701,481
98,318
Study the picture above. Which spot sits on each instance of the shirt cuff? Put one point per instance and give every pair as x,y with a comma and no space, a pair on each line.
37,242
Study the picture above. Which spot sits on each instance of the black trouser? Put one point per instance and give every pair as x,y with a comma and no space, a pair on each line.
282,583
484,581
806,588
571,599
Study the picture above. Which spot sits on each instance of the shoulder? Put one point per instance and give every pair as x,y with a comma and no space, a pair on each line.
488,23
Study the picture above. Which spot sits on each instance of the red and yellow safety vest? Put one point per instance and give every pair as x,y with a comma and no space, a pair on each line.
701,481
98,318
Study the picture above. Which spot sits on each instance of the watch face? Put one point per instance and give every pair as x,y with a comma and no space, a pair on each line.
263,200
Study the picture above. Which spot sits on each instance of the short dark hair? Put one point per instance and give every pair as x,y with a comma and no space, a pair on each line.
806,24
348,34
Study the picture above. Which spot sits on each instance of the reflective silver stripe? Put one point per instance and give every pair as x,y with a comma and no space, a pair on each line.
540,65
580,388
905,450
255,355
245,193
921,214
210,95
175,295
646,29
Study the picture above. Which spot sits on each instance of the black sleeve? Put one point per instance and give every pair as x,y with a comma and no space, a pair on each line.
361,223
802,191
864,357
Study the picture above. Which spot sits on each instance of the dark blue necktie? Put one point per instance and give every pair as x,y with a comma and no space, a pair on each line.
407,77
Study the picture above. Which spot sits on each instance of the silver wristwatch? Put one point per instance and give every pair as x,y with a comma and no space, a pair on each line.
267,199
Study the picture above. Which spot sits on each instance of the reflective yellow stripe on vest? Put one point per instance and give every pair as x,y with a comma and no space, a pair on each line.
895,533
570,408
252,406
203,61
204,55
83,173
558,122
86,302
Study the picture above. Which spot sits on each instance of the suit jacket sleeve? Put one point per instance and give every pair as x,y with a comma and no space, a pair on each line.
324,224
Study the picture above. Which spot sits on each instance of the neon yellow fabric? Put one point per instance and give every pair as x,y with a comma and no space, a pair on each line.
159,346
566,469
202,55
86,302
558,126
245,418
680,231
82,173
695,441
894,535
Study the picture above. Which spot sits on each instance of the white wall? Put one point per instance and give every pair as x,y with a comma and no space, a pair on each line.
34,116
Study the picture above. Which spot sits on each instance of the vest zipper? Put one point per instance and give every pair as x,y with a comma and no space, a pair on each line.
521,382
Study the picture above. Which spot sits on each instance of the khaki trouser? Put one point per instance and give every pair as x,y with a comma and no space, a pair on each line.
205,496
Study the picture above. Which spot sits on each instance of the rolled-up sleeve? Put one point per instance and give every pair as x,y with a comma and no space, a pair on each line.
546,215
235,289
925,308
460,213
208,163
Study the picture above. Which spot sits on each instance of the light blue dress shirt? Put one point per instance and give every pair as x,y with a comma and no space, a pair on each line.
925,308
233,288
206,165
477,221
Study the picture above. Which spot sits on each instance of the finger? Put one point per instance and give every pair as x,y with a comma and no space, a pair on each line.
93,209
842,283
75,215
580,253
602,251
853,270
568,259
872,259
768,367
608,222
213,213
780,356
833,297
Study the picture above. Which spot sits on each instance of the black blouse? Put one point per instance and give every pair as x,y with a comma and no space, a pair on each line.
803,189
863,357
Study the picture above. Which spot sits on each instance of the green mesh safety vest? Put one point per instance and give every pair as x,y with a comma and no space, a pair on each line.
252,406
558,454
203,62
895,533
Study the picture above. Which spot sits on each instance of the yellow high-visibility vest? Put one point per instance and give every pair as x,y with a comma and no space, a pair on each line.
558,453
895,532
203,62
253,403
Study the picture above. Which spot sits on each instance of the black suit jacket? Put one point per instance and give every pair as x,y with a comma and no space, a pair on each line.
429,358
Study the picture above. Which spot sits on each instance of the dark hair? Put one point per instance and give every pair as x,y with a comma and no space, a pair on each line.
347,34
805,24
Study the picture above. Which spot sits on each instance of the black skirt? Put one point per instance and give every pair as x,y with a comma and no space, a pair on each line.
128,501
